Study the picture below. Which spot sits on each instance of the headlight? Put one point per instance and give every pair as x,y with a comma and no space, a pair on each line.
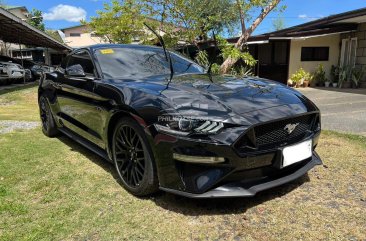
184,126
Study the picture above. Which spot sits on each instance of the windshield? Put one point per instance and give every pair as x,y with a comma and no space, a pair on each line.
132,62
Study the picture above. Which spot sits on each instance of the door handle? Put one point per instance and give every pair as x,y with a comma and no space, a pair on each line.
99,108
57,85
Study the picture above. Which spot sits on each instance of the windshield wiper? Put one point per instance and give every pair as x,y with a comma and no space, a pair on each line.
168,57
209,70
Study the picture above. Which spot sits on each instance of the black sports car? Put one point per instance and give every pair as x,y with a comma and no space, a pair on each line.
166,123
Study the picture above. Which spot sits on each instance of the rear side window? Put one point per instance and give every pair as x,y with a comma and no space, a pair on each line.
82,58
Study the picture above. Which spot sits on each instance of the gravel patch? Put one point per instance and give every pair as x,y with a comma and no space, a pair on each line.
9,126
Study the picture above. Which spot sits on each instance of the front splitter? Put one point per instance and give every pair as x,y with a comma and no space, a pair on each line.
236,189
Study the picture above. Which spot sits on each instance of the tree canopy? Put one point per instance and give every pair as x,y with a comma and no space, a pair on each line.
36,19
252,13
191,21
121,21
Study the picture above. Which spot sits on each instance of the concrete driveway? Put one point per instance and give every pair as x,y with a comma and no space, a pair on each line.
342,110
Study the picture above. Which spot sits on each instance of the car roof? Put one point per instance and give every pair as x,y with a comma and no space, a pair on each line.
103,46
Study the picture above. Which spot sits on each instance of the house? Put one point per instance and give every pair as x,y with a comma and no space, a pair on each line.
80,36
338,40
19,11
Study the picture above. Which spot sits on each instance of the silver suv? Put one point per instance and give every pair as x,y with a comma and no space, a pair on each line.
10,72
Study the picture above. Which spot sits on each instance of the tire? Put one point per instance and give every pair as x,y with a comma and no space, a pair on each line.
49,127
133,158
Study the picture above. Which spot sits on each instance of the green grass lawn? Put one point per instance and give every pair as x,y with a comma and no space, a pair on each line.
19,104
53,189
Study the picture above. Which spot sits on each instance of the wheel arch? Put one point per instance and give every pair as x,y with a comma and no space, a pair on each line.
113,120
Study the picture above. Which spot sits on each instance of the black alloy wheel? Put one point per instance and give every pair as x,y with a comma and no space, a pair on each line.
49,127
133,159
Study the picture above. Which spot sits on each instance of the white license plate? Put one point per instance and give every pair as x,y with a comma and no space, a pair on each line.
297,153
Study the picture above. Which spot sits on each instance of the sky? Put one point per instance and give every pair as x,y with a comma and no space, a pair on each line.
65,13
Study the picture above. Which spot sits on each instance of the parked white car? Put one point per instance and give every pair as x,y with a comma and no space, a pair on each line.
10,72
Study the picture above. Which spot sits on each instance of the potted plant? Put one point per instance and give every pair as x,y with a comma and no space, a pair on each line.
357,75
298,77
327,83
307,79
334,75
343,74
312,80
319,76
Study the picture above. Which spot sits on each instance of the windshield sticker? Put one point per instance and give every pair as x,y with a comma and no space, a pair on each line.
106,51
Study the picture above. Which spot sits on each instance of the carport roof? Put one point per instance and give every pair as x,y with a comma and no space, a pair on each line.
15,30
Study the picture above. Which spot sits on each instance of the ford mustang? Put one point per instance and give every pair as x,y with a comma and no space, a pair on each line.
167,123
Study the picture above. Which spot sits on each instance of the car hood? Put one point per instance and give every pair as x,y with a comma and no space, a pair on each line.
226,96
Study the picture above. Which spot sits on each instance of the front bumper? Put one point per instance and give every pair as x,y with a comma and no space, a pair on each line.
248,188
240,175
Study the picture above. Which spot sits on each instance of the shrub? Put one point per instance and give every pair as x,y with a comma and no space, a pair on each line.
319,75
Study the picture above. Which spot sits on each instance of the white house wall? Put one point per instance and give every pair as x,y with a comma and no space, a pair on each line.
331,41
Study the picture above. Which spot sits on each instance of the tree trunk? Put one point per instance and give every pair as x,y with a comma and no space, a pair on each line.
227,65
241,14
229,62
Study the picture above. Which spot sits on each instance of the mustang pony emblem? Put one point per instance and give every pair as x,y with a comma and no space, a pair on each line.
290,127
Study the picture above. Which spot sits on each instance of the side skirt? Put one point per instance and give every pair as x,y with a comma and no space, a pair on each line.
87,144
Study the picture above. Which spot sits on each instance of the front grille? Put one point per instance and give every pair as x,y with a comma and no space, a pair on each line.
274,134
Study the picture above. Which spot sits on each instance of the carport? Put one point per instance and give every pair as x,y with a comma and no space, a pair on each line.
16,31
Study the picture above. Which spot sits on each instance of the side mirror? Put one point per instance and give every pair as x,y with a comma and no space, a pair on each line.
75,71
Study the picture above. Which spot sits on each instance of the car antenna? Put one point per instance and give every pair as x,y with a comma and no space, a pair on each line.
168,57
209,70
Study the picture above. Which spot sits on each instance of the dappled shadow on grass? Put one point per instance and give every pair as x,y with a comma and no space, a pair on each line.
4,89
193,207
76,147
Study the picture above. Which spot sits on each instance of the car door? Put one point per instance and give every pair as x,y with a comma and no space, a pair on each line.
81,109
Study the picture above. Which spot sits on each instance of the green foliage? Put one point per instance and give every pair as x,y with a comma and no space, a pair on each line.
278,24
202,59
242,71
343,75
251,14
54,34
319,75
196,18
334,74
357,75
215,68
300,75
228,50
252,8
36,19
120,22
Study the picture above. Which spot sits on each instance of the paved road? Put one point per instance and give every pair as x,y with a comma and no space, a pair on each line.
342,109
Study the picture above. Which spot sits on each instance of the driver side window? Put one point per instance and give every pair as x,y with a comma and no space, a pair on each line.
82,58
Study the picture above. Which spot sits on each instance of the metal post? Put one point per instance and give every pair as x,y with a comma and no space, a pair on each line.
48,57
21,58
